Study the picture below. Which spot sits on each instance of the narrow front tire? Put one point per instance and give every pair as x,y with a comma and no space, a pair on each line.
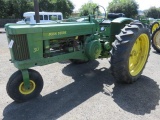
16,89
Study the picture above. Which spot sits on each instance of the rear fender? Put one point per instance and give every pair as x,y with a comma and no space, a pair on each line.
117,24
121,20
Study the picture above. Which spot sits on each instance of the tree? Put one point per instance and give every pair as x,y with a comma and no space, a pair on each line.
3,9
153,12
128,7
16,8
87,8
64,6
46,5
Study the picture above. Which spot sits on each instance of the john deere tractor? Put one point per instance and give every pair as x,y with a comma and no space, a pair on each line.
156,40
126,42
151,23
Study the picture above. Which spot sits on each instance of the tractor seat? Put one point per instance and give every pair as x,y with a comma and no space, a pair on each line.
115,15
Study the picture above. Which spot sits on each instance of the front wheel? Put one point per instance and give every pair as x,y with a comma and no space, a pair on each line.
16,89
156,40
130,52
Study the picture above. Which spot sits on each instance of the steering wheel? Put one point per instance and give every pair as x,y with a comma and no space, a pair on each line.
96,12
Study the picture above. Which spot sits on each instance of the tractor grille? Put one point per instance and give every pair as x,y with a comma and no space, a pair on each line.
20,47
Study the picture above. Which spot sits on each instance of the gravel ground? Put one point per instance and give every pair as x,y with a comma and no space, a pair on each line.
2,30
83,92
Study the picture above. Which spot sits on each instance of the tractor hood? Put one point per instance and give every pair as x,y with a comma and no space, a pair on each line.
55,30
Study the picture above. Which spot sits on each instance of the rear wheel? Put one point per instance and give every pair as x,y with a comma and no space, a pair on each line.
154,26
156,40
16,89
130,52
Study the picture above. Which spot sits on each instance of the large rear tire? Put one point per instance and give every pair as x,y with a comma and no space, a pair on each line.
130,52
156,40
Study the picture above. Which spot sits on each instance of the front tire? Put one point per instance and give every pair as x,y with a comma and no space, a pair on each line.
16,90
130,52
156,40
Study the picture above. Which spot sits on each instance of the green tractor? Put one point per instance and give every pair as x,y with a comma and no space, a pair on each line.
156,40
125,42
152,23
154,26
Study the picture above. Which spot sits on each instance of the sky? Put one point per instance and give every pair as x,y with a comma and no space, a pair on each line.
143,4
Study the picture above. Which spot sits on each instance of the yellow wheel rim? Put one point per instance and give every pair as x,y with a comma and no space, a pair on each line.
156,40
138,54
155,26
25,91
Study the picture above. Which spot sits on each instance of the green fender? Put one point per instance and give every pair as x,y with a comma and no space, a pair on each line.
122,19
116,26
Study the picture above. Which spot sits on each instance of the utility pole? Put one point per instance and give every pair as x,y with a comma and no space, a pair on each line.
36,9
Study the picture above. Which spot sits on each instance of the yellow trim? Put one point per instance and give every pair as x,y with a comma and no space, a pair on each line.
28,91
155,26
76,37
138,54
57,33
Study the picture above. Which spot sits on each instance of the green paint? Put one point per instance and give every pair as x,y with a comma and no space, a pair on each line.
42,44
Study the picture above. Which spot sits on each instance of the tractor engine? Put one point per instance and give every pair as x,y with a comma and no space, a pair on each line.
92,48
61,46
